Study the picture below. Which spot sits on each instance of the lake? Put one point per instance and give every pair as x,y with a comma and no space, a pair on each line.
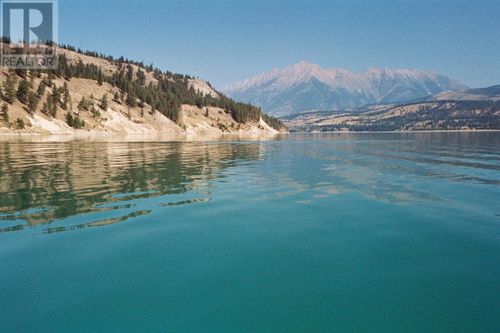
368,232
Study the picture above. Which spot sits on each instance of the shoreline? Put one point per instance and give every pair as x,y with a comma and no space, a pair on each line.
416,131
158,137
134,137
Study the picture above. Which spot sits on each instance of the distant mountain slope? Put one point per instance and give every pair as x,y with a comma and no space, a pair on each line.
478,94
468,109
307,87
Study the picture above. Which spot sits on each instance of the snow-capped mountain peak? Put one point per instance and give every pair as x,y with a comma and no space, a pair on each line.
306,86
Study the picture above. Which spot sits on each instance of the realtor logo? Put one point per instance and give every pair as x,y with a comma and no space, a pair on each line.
29,31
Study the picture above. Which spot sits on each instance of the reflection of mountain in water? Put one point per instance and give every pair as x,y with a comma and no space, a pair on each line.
381,166
44,182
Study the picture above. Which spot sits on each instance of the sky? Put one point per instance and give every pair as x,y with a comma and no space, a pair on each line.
227,41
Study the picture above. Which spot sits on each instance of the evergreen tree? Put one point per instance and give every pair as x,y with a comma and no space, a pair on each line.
130,73
104,102
23,91
141,77
5,112
95,112
32,102
56,96
10,89
131,99
20,123
47,106
69,119
41,89
78,123
84,104
66,97
100,77
50,107
50,77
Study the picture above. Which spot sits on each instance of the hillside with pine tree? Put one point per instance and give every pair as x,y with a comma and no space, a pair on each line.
90,92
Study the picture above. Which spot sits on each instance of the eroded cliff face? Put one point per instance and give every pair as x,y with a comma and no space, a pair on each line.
124,121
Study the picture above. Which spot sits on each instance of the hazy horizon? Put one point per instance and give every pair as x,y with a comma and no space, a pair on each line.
228,41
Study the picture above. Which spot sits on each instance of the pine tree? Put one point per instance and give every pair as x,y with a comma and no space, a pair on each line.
104,102
131,99
69,119
95,112
130,72
56,96
23,91
78,123
50,77
5,112
45,108
41,89
32,102
50,107
141,77
84,104
66,97
100,77
10,89
19,123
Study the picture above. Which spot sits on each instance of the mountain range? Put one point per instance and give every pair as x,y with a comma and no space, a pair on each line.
307,87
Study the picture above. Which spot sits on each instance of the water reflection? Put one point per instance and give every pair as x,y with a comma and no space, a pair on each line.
53,184
44,182
396,168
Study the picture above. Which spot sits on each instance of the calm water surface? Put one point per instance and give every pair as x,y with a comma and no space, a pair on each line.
309,233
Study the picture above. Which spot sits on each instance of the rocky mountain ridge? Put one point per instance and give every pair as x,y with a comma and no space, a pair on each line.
307,87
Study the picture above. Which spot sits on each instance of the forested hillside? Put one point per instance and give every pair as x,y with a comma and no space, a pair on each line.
121,82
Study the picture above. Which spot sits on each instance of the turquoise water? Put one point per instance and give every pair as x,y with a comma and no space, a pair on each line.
309,233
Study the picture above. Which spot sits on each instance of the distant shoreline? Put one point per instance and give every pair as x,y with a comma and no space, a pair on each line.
410,131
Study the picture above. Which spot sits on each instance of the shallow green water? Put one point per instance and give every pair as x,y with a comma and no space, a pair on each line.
312,233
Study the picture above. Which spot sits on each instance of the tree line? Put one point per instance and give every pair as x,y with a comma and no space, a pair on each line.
171,91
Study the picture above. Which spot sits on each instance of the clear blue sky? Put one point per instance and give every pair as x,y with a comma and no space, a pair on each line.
226,41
